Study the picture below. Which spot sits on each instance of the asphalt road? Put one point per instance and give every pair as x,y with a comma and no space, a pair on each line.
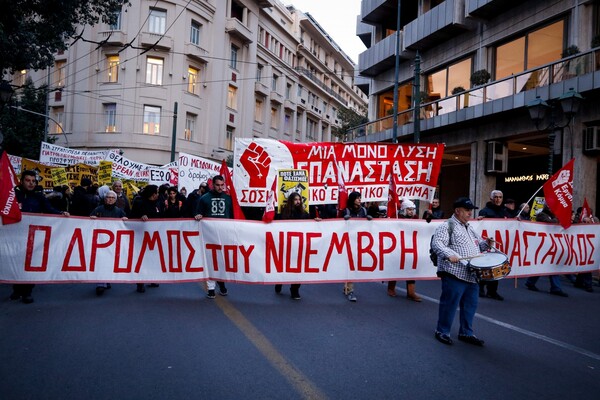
173,343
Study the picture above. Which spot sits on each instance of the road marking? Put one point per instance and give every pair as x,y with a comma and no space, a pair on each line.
296,378
526,332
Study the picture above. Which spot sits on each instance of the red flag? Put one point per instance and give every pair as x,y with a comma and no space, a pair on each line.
342,191
230,190
269,214
586,211
9,207
392,205
558,191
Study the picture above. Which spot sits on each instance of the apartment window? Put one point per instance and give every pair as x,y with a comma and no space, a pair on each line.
234,57
287,123
113,68
237,11
58,114
152,120
258,110
59,73
154,70
274,83
117,25
190,126
110,117
442,83
157,21
299,91
536,48
259,71
311,129
195,33
274,117
288,91
192,80
229,137
299,117
232,97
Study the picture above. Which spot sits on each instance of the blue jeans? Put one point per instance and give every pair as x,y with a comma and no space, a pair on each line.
554,282
454,293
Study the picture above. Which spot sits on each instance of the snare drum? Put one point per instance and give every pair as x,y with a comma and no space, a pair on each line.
490,266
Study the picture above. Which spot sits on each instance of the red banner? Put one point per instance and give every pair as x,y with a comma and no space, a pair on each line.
9,207
365,168
558,191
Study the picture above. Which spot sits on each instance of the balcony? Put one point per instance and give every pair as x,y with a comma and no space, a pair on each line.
488,9
581,72
155,40
364,32
381,56
235,28
373,11
196,52
321,85
438,24
112,38
261,88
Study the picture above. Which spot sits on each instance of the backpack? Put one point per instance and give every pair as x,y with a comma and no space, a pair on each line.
432,254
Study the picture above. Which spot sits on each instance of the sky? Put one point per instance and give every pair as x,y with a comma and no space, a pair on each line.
338,18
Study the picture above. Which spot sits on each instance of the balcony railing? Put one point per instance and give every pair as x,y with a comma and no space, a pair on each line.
312,77
565,69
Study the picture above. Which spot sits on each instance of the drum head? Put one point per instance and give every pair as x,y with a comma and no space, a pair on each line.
488,260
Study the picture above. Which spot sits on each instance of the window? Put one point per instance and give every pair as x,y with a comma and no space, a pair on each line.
536,48
157,21
154,71
151,120
113,68
59,73
192,80
58,114
237,11
299,91
288,91
441,83
287,123
234,57
274,118
195,33
229,137
232,97
110,117
258,110
274,83
259,71
190,125
311,129
117,25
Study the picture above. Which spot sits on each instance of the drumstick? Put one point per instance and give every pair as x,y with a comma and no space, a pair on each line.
470,257
492,240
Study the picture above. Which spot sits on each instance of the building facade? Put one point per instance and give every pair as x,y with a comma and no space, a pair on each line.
482,63
203,72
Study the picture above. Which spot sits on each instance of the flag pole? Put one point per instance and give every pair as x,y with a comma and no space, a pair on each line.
527,202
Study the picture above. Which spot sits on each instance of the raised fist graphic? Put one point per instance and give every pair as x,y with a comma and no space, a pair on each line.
256,161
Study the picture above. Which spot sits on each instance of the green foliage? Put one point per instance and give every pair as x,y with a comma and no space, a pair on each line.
349,119
31,31
24,132
458,89
570,51
480,77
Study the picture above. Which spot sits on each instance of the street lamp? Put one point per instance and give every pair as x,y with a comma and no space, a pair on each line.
538,109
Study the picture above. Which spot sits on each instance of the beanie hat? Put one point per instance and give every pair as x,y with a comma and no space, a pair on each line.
406,203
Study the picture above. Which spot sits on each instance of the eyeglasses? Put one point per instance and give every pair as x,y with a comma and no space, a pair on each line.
110,197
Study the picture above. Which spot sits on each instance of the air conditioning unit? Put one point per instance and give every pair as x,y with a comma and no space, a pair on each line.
496,161
591,139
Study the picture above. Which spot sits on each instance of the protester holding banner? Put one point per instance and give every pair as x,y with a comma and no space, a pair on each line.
189,207
33,202
354,209
435,212
493,209
215,204
584,215
122,200
546,216
173,205
459,282
107,210
407,210
293,209
146,207
60,197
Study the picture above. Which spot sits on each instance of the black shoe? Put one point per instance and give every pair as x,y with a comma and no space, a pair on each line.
559,293
443,338
154,285
495,296
295,294
278,288
108,286
27,299
471,340
15,296
481,293
141,288
222,289
532,287
211,294
100,290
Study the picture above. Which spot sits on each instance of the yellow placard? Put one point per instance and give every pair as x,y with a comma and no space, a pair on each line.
59,176
290,181
538,205
105,173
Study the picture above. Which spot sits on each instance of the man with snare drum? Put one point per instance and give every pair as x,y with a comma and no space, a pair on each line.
455,242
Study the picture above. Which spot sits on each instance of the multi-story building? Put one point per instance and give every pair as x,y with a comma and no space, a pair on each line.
527,49
206,72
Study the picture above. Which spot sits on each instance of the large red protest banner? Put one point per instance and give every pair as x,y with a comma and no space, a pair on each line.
365,168
45,248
